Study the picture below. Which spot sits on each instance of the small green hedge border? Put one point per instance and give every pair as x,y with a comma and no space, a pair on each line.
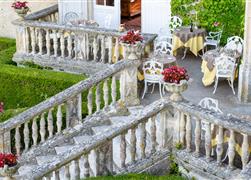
230,13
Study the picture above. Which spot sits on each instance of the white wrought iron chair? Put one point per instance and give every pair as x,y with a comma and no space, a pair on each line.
235,43
175,22
213,39
70,16
164,34
225,68
162,48
152,74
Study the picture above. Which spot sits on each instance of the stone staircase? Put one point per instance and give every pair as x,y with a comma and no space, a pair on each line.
83,134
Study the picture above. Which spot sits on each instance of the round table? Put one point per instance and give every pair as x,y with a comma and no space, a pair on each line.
194,41
167,60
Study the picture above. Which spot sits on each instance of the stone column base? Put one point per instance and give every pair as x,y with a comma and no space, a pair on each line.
244,89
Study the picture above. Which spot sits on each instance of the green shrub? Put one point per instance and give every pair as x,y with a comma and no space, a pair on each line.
26,87
228,12
6,43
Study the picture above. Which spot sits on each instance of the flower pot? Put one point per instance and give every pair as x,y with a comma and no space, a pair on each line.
176,89
131,49
8,172
22,12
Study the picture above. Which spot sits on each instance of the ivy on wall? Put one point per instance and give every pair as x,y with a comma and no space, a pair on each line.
230,14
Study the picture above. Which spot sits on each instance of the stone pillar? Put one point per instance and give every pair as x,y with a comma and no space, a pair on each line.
5,144
21,40
244,89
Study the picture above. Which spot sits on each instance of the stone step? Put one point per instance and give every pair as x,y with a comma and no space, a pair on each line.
82,139
23,170
62,149
41,160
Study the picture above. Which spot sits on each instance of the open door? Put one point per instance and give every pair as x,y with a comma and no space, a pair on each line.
107,13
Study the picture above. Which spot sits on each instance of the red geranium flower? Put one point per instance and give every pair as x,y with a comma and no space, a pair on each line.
175,74
131,37
8,159
19,5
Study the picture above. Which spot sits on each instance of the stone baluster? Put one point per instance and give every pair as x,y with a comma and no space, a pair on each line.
122,150
55,42
231,149
33,40
69,46
48,177
76,169
34,131
42,127
50,123
133,146
182,128
79,107
62,44
143,140
114,89
116,50
53,18
245,151
97,164
188,133
110,46
89,100
40,41
197,136
76,46
95,48
48,42
87,46
57,177
208,139
163,129
153,134
98,97
82,44
67,175
220,141
86,166
27,40
17,141
103,49
26,136
106,93
59,119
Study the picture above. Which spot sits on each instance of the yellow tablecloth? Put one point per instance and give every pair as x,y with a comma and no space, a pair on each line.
195,44
209,76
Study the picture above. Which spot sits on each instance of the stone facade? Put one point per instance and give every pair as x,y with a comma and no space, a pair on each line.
7,15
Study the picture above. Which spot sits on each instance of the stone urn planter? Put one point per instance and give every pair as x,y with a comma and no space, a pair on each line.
176,89
8,172
131,50
22,12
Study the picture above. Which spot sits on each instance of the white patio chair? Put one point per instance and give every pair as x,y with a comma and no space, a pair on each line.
225,68
213,39
164,34
175,22
162,48
152,74
234,43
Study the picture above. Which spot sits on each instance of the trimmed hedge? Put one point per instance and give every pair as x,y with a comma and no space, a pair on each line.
6,43
6,55
230,13
26,87
10,113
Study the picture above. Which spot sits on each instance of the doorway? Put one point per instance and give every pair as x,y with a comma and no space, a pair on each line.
131,14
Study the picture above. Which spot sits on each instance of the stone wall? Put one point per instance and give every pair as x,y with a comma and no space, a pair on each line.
7,14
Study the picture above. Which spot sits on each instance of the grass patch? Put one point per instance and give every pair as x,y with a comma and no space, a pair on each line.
138,177
6,43
10,113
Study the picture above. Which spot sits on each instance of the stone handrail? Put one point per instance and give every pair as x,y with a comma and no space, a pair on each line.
71,100
99,141
43,14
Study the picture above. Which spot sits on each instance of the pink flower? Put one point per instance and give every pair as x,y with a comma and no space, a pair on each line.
19,5
216,24
1,107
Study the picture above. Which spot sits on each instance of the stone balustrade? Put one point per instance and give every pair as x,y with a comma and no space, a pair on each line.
69,48
63,110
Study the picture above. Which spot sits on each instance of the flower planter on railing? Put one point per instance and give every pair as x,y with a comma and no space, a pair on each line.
21,8
176,89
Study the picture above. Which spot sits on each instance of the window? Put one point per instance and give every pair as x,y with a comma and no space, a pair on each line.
105,2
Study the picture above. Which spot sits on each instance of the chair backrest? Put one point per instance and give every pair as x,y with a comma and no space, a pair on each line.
225,66
235,43
210,104
175,22
216,36
162,48
152,70
70,16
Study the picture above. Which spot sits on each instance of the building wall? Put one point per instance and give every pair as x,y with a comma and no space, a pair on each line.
7,14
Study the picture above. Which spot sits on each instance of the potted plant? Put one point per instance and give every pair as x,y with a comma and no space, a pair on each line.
131,41
20,8
176,81
8,165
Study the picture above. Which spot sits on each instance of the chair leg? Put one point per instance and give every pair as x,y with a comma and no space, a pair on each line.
145,90
216,84
160,90
153,88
